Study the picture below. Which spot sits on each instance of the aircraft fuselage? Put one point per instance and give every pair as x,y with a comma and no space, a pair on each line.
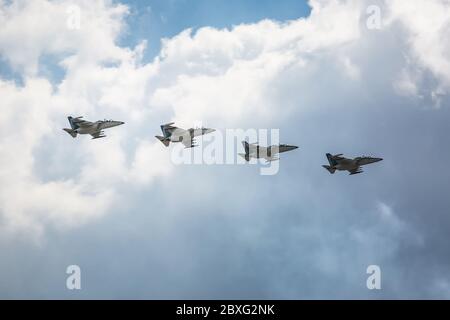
346,164
97,126
340,163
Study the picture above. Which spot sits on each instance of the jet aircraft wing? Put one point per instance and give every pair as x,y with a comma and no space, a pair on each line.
270,159
188,143
167,125
83,123
97,134
355,171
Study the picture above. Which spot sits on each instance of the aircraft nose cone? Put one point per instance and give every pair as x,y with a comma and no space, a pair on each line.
376,160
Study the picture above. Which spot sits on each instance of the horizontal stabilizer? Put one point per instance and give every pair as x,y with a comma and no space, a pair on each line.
330,169
165,141
73,133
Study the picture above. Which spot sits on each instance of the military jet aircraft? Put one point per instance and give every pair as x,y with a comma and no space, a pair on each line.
186,137
95,129
338,162
253,150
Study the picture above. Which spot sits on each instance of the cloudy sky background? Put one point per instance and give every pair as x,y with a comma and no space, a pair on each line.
142,227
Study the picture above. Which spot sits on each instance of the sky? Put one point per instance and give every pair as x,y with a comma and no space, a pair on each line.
153,20
347,76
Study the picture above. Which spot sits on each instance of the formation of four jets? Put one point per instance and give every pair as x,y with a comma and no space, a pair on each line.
173,134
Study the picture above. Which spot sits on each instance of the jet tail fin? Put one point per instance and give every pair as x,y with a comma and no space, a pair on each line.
330,169
165,141
73,133
74,122
246,147
331,159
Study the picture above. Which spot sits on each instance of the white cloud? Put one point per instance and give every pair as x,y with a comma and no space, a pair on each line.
226,75
33,114
30,29
226,78
141,171
426,25
27,202
405,84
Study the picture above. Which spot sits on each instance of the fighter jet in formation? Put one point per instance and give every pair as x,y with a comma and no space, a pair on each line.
186,137
253,150
95,129
338,162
